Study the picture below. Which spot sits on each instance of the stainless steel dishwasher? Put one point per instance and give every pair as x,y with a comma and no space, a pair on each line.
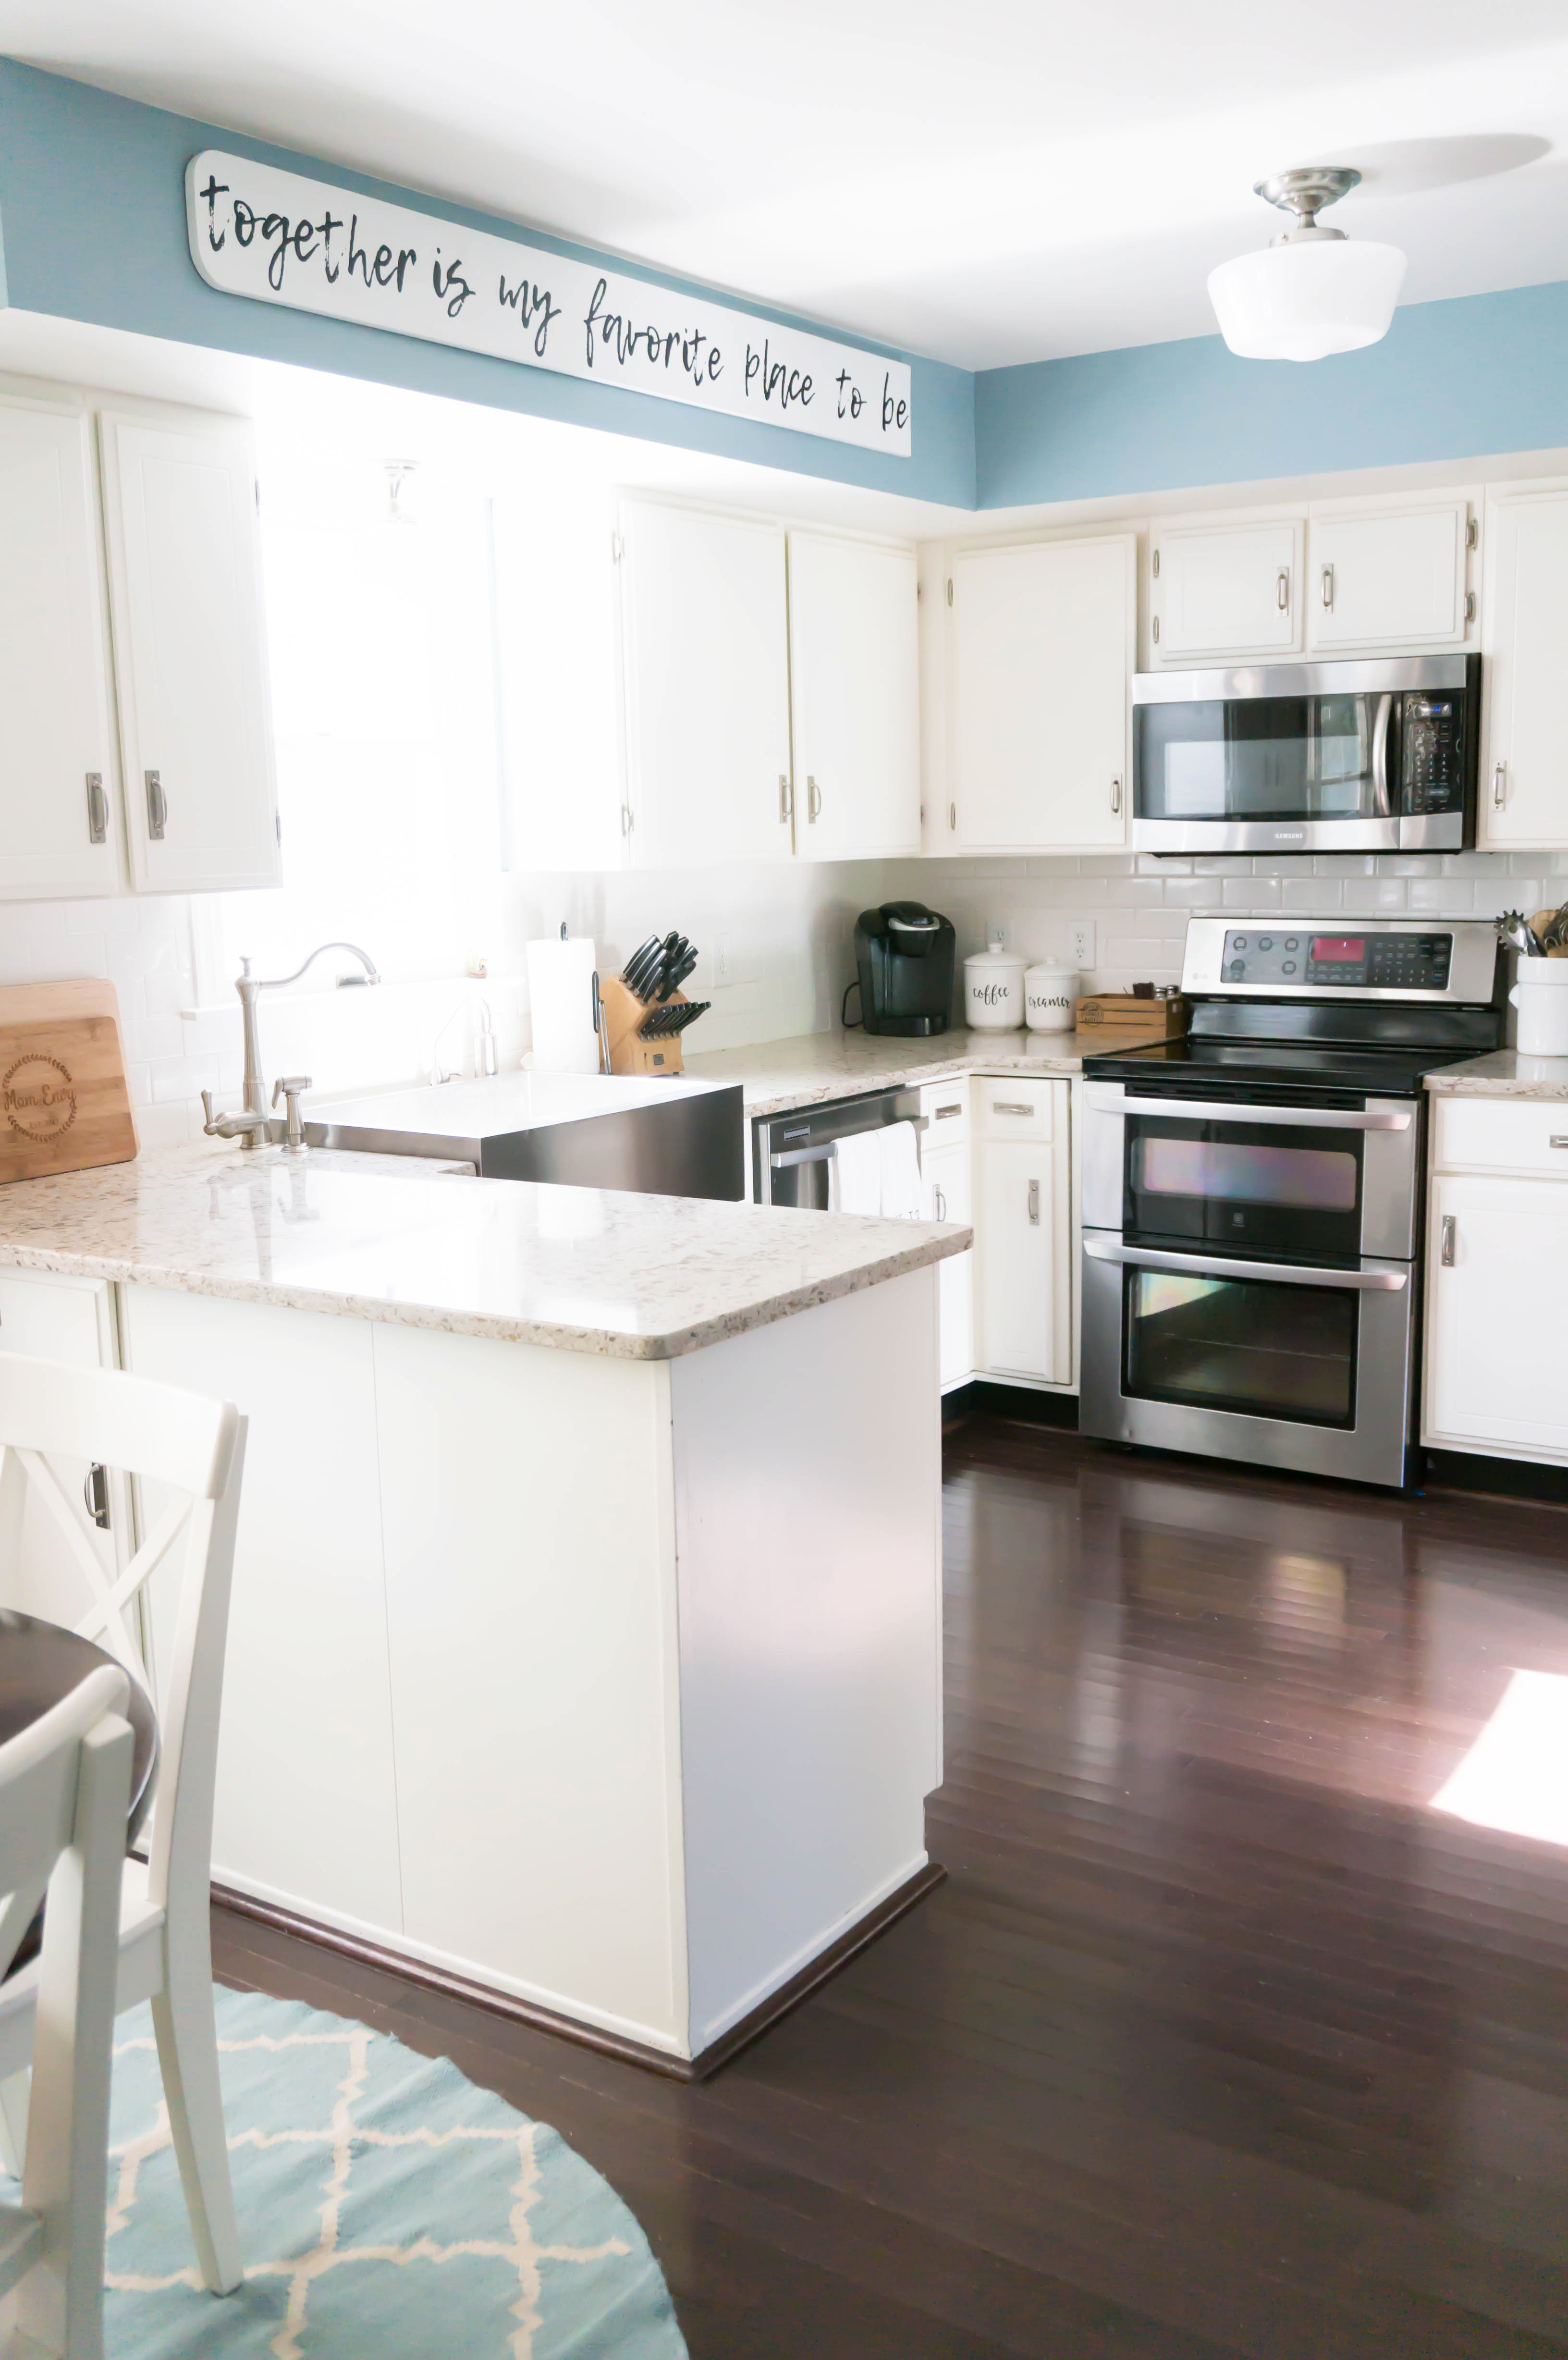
792,1155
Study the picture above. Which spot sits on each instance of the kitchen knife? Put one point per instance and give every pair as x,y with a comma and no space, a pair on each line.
637,956
644,968
688,962
673,945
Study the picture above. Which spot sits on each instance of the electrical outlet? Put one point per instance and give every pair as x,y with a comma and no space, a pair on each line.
724,961
1081,943
998,930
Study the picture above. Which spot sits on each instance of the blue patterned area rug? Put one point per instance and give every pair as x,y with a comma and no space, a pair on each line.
388,2211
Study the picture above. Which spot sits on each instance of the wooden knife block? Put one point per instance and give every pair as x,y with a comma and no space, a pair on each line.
624,1011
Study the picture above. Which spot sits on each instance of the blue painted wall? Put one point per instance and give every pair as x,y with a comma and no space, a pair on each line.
1483,374
93,227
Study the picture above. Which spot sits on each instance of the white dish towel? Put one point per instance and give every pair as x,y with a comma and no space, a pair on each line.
877,1172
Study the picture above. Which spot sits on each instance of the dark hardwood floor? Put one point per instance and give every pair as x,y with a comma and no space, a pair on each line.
1219,2038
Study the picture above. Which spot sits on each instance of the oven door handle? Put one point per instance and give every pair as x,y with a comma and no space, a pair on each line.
1227,1111
1365,1281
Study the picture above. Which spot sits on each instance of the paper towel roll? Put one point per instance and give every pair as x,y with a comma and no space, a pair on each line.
561,1000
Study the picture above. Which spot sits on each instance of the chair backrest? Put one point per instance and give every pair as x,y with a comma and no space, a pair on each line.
64,1791
192,1448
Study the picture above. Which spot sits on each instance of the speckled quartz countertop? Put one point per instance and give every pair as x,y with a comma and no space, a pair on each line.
1504,1074
585,1270
816,1067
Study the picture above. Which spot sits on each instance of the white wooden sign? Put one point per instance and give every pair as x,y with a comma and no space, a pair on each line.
279,238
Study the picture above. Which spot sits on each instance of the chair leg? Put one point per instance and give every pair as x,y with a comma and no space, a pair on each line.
16,2091
187,2029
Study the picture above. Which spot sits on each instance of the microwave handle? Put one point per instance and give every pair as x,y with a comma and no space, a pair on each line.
1365,1281
1227,1110
1382,740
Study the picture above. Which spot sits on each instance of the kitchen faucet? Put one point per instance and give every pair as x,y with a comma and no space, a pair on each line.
252,1125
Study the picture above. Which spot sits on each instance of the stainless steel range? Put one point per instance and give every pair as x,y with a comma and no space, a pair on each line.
1252,1194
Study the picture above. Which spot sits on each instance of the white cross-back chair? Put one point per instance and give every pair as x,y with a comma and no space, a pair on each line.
65,1785
194,1449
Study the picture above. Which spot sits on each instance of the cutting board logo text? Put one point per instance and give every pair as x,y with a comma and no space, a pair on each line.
37,1098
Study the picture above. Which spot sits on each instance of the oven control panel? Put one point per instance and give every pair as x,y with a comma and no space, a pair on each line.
1363,959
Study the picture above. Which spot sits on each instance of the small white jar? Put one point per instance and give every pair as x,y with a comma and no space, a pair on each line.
1541,994
994,989
1051,999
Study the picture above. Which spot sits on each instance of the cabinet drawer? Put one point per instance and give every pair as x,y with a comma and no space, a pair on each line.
1013,1109
1525,1135
945,1108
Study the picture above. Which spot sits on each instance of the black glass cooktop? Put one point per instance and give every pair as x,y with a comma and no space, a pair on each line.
1187,1066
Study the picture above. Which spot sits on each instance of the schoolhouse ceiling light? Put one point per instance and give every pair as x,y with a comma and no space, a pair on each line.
1313,292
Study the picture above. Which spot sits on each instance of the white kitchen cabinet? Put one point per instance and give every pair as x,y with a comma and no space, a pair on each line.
1223,590
1494,1311
704,624
180,500
60,832
306,1812
1524,768
1390,577
1023,1231
854,697
947,1173
1041,653
51,1317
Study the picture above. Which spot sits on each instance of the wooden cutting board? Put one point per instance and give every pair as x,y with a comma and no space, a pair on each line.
63,1102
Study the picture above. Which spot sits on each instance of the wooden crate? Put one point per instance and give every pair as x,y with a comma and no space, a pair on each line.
1164,1018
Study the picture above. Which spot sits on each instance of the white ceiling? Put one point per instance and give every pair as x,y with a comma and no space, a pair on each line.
995,181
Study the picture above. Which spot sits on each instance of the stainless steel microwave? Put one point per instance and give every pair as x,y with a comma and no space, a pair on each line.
1308,758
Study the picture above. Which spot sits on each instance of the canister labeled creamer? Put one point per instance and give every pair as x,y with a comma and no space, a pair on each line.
1051,999
994,989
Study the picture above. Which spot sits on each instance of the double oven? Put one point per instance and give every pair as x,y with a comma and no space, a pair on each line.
1252,1196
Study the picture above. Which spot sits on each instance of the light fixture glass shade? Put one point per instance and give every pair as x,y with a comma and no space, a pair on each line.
1302,301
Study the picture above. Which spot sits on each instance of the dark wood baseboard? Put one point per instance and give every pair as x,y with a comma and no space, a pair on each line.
987,1397
587,2036
1502,1479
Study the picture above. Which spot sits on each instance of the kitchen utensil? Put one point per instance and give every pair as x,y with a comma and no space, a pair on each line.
994,989
662,1023
1514,927
65,1108
1550,926
675,949
683,970
637,976
640,953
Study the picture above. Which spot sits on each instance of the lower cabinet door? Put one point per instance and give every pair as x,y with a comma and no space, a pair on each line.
51,1317
1496,1306
1024,1312
950,1197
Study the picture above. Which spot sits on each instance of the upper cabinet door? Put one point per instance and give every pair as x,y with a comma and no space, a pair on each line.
59,831
1393,580
1524,770
855,697
1218,591
706,637
190,654
1042,652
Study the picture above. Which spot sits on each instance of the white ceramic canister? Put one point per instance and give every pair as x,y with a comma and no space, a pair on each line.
1540,994
994,989
1051,999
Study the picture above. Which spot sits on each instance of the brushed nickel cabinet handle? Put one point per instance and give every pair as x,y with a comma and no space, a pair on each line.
1155,628
786,800
813,803
1009,1106
1034,1201
1447,1253
1499,774
1284,588
1327,587
157,804
940,1205
1469,605
97,808
1116,794
1558,1138
952,815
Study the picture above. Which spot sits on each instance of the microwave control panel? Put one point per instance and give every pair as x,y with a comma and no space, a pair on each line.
1364,960
1431,757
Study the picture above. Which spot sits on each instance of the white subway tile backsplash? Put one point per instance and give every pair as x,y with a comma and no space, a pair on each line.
1374,896
1191,894
1220,864
1446,897
1124,892
1250,892
1345,864
1312,894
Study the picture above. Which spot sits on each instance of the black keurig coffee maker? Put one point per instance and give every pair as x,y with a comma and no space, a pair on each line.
904,953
